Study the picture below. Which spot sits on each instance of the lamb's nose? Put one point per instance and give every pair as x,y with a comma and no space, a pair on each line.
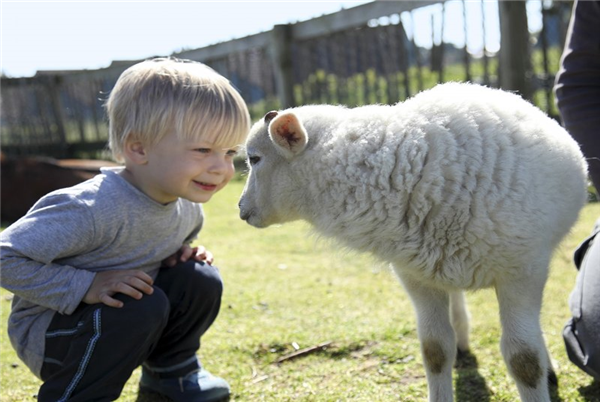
244,215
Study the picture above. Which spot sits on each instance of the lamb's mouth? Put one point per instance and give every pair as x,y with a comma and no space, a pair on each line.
245,215
251,219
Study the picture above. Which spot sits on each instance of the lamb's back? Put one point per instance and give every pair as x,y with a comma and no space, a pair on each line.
457,182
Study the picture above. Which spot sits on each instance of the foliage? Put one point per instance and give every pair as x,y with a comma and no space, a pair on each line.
287,289
371,88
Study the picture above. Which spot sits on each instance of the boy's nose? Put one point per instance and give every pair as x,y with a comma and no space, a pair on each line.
219,165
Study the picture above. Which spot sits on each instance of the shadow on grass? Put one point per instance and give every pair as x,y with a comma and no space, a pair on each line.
591,393
553,384
151,397
470,385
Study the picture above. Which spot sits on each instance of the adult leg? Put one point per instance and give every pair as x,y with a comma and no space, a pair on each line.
91,353
581,332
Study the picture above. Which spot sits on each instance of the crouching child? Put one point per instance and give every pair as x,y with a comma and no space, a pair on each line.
103,274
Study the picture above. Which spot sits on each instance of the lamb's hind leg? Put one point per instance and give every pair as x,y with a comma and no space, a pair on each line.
459,317
522,342
438,345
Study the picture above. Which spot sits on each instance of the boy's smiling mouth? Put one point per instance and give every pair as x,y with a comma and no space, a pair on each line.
205,186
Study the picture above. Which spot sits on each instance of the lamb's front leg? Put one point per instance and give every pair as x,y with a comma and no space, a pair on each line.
438,344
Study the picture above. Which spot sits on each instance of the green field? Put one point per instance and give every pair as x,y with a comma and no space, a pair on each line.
287,289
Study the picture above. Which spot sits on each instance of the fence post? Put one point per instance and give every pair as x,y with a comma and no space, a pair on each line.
281,54
515,70
53,84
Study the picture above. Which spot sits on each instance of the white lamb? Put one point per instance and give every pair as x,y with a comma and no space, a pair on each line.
461,187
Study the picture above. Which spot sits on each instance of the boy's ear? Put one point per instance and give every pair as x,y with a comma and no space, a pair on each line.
135,151
288,134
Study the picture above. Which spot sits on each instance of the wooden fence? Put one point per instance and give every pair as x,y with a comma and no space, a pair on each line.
365,54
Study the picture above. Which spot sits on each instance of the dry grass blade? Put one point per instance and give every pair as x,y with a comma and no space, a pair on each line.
303,352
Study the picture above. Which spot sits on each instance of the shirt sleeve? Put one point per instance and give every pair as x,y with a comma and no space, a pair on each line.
578,81
577,85
58,226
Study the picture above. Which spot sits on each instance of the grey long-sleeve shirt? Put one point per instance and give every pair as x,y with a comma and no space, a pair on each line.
50,256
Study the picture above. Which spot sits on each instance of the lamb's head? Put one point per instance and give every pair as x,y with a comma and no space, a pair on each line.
271,192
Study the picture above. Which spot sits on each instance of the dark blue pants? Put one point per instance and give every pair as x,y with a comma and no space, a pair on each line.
91,353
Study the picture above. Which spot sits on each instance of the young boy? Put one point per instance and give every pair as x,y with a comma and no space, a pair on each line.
103,273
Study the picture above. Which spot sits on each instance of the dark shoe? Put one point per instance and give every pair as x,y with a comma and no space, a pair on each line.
197,386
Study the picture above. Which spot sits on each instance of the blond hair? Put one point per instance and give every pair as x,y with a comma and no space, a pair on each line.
159,96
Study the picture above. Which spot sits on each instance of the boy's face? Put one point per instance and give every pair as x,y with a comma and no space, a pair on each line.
181,168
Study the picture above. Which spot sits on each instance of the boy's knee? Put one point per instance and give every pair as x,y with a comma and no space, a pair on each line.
150,313
202,278
192,284
209,278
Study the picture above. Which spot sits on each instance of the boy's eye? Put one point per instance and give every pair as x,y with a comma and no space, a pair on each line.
232,152
203,150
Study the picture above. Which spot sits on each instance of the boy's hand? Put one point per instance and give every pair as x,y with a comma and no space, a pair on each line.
130,282
186,253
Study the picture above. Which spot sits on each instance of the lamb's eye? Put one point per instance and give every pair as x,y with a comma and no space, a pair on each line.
253,160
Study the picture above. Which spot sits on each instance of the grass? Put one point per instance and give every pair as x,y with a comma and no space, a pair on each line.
286,290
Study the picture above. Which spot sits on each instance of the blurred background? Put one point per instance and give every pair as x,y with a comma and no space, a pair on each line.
375,52
356,53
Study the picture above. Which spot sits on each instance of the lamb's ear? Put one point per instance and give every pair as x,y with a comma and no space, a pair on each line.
270,116
288,134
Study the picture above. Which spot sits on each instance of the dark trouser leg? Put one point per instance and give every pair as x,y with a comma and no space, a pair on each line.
581,332
194,290
91,353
